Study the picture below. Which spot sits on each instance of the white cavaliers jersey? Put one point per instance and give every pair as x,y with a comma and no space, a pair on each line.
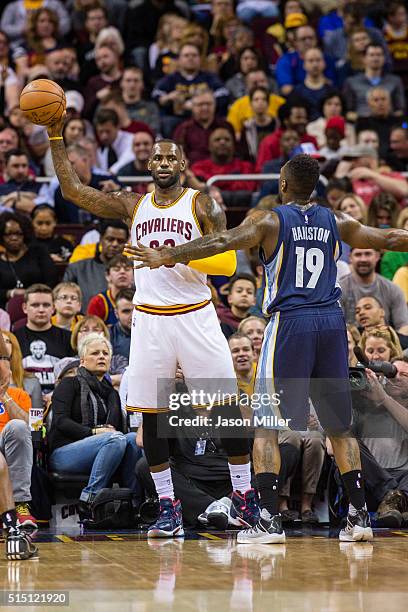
173,224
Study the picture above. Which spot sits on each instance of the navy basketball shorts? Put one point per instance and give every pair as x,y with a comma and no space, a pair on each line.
304,357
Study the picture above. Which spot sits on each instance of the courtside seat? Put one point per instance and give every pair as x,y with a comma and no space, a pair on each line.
68,485
67,489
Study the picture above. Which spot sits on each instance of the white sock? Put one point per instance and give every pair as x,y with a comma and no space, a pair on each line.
163,483
353,511
240,476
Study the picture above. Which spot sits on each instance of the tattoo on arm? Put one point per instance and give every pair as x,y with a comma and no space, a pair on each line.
365,237
250,233
210,215
110,206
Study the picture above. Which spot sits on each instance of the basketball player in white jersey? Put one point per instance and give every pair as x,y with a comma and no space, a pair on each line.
174,320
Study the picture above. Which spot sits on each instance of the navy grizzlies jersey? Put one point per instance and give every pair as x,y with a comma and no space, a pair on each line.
302,271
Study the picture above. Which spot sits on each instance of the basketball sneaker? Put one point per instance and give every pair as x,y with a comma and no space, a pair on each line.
25,518
358,528
268,530
169,522
216,514
19,546
244,510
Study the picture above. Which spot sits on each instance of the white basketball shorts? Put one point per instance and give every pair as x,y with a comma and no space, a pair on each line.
194,341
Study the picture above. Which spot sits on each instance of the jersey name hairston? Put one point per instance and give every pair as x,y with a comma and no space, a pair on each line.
176,226
304,232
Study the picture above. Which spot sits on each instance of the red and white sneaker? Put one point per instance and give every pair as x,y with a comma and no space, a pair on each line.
25,519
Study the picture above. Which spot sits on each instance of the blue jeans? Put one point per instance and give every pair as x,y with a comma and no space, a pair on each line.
100,456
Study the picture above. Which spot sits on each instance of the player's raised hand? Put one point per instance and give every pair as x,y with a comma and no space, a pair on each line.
148,257
55,129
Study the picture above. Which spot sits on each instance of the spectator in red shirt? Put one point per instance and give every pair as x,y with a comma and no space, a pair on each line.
193,134
222,160
292,115
368,179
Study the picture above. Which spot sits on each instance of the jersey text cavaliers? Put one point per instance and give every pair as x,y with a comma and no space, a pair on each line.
168,290
171,226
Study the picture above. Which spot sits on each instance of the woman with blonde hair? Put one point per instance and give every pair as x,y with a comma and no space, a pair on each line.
19,377
166,60
394,264
110,37
380,344
162,41
92,324
88,433
254,328
352,205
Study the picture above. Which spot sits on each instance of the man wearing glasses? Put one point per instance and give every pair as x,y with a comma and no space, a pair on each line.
67,303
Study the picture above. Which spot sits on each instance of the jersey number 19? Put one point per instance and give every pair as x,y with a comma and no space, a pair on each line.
314,263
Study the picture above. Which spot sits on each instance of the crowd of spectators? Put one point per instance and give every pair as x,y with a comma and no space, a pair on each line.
242,86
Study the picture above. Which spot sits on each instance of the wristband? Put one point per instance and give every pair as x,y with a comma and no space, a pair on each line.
55,138
4,358
7,399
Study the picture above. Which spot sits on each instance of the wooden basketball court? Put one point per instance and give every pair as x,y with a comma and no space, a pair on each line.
210,572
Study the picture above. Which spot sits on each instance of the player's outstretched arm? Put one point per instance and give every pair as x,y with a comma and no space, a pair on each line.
108,205
262,226
360,236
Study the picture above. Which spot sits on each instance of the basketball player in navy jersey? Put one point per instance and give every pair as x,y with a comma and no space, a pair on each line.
306,336
174,321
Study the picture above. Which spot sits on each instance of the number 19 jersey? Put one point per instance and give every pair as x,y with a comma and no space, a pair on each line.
302,271
153,226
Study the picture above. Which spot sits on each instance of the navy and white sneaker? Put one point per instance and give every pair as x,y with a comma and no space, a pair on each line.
268,530
170,521
244,511
358,528
19,546
216,514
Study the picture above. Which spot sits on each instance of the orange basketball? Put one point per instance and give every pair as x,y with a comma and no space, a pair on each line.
42,101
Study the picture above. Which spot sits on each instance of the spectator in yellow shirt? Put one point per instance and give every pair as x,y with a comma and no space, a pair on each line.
241,109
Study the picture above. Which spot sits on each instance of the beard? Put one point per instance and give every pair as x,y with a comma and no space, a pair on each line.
169,181
364,270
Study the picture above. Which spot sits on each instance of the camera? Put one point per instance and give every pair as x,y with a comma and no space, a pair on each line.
378,367
357,376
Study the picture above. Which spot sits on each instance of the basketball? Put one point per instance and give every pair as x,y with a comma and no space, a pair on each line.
42,101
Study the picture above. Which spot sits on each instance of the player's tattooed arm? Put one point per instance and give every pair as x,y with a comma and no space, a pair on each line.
364,237
210,215
109,205
261,228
